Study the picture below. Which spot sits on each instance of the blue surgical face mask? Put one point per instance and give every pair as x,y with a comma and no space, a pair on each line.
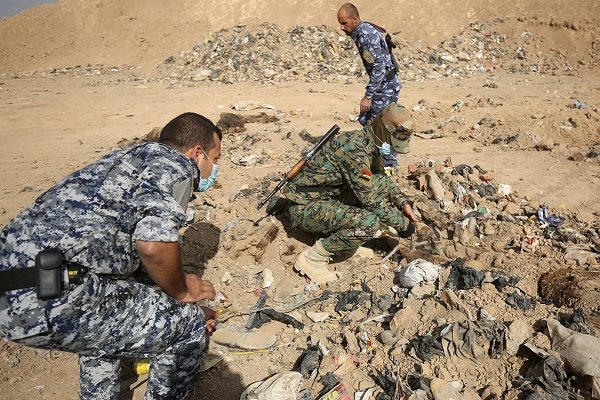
385,149
206,183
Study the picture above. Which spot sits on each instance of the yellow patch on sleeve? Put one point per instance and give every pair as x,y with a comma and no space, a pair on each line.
368,57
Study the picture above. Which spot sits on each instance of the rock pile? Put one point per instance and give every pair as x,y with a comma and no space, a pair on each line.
268,53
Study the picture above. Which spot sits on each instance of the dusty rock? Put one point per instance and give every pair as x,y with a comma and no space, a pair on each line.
518,332
253,241
351,342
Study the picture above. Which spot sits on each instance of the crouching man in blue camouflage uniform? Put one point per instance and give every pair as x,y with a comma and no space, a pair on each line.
103,221
344,194
384,85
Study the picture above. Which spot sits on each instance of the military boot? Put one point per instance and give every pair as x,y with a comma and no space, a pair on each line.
313,262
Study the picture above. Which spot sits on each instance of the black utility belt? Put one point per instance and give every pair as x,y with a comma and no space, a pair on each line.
46,276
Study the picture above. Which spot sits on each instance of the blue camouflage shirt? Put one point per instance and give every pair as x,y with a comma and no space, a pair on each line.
375,56
96,214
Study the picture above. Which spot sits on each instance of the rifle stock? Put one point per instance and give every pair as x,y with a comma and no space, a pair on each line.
300,164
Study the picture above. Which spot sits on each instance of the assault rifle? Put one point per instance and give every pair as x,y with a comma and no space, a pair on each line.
300,164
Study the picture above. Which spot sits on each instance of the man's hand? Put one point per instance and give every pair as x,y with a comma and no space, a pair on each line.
197,289
365,105
409,213
211,317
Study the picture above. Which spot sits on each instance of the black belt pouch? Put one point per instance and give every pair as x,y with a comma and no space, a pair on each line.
48,272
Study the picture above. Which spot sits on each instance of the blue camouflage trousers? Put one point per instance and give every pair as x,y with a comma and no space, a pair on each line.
383,97
105,320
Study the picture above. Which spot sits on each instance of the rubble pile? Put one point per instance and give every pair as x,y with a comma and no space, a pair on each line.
268,53
97,74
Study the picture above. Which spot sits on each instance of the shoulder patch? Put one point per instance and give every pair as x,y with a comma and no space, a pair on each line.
365,174
368,57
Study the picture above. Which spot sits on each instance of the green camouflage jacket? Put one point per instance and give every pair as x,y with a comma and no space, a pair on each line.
344,169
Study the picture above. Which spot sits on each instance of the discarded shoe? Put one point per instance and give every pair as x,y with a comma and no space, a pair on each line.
248,340
313,262
282,386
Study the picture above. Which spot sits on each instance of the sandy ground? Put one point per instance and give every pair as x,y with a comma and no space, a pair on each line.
54,125
521,128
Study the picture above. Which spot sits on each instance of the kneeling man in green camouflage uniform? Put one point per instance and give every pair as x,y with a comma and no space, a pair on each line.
344,193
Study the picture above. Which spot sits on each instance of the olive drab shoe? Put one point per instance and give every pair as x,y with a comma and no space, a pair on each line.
313,262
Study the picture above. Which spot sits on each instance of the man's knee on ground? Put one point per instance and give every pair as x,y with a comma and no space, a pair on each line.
369,225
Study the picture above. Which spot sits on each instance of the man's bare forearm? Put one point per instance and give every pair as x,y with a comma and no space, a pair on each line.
162,261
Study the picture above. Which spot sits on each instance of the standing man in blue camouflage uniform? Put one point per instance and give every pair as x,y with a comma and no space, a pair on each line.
344,195
384,86
86,236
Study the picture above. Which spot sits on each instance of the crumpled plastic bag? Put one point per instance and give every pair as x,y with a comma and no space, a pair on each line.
282,386
418,271
580,352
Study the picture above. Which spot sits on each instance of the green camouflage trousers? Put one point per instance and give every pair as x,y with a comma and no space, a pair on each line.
345,225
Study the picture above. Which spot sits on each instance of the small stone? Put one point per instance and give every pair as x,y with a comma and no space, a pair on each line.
269,73
420,291
351,342
578,157
388,338
499,246
355,316
317,316
498,261
518,332
463,56
513,209
485,315
364,252
403,318
489,230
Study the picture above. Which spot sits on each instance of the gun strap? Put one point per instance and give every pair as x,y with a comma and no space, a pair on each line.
379,28
389,44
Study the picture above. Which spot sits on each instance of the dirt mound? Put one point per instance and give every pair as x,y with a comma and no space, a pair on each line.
572,288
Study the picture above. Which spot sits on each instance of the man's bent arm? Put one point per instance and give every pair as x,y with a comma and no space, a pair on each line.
162,261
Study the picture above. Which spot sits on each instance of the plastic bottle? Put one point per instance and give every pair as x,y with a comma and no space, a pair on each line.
141,367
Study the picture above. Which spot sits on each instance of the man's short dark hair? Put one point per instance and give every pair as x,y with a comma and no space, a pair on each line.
188,130
350,10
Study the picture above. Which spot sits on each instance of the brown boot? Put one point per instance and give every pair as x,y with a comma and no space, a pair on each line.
313,262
